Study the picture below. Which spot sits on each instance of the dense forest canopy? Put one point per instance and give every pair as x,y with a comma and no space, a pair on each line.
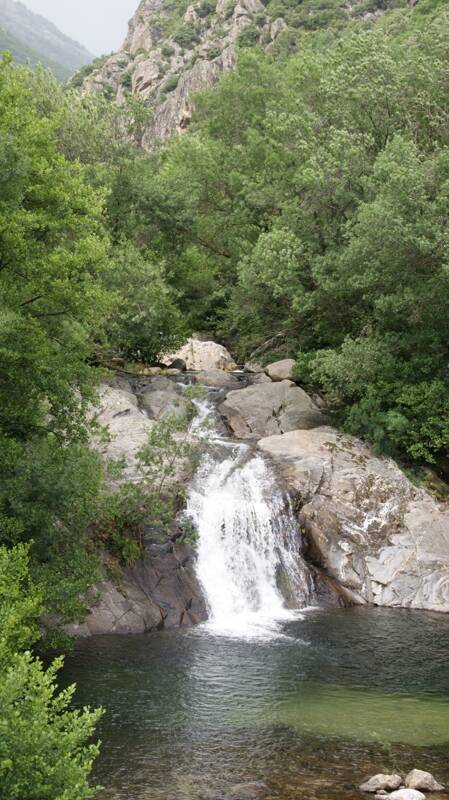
310,198
308,202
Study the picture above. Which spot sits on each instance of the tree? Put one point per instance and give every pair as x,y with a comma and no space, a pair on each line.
44,746
53,257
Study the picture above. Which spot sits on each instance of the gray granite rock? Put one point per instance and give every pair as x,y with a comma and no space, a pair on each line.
160,591
281,370
381,782
424,781
382,539
407,794
269,408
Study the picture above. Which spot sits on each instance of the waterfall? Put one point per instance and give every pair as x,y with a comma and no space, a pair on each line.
249,546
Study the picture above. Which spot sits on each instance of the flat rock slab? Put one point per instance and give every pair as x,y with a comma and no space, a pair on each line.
269,408
127,425
382,539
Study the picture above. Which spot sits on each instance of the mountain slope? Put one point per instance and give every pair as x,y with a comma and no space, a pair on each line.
174,48
31,37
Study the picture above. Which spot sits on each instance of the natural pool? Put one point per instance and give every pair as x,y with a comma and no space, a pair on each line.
334,696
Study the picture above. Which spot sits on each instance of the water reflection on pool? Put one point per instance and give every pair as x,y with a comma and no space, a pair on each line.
337,696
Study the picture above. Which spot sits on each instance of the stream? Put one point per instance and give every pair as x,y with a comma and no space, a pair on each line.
271,688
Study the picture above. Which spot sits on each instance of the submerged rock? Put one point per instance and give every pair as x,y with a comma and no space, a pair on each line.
281,370
418,779
381,781
248,791
270,408
385,541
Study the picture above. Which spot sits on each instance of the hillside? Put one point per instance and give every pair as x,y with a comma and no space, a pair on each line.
31,37
174,48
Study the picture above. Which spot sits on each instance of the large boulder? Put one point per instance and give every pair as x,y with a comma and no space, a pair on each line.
281,370
407,794
419,779
381,782
385,541
269,408
199,355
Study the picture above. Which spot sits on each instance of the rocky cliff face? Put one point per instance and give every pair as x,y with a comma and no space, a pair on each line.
382,539
174,48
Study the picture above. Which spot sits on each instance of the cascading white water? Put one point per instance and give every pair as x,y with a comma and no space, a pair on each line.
249,561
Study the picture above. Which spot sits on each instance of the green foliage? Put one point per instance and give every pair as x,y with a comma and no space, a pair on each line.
48,494
53,259
148,506
146,321
20,604
206,7
65,287
249,36
170,84
213,52
187,36
167,50
229,9
79,77
44,745
127,80
310,200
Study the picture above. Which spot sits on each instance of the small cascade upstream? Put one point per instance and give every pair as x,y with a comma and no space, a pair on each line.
249,548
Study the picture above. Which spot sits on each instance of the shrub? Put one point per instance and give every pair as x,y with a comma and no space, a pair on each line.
44,745
248,37
213,52
187,36
167,50
206,8
127,80
170,84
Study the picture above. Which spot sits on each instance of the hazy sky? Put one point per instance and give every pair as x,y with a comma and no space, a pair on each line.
100,25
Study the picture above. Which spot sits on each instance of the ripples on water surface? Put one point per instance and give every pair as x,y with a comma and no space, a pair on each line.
338,696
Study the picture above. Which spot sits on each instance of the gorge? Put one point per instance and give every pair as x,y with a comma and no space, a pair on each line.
224,408
280,691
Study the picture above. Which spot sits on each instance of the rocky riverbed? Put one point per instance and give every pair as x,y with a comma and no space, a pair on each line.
371,536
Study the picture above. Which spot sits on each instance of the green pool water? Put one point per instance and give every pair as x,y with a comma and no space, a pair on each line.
334,697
